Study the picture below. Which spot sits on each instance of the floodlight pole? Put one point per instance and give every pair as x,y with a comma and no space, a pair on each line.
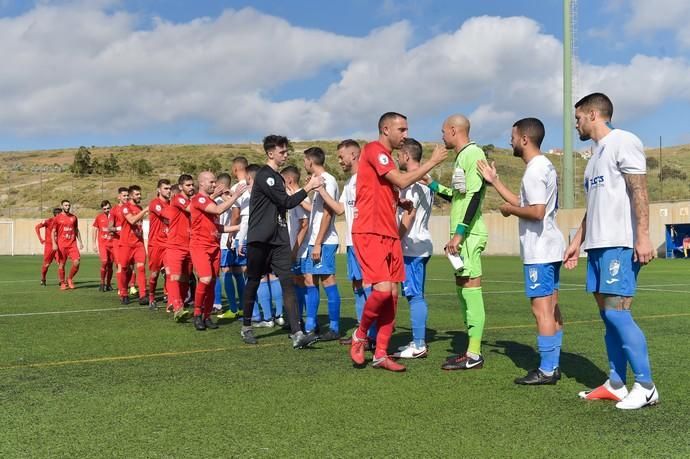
568,121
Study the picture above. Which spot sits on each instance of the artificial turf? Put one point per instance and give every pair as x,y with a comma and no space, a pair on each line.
81,376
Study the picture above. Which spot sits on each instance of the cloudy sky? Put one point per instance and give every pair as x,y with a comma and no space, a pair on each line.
120,72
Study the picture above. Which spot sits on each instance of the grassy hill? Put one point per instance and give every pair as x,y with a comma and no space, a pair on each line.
38,180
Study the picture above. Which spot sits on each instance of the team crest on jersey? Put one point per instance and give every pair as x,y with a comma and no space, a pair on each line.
533,274
383,159
614,267
270,181
202,200
182,201
125,211
158,207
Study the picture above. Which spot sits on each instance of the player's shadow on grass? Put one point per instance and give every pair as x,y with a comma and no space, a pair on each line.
572,365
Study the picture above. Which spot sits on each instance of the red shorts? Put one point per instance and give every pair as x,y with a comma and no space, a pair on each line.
70,251
156,257
105,253
129,254
177,261
206,260
380,258
50,254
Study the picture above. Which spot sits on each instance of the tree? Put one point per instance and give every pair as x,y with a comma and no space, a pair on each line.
82,162
110,165
652,162
143,167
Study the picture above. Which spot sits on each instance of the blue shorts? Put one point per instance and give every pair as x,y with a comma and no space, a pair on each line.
612,271
326,265
225,258
354,272
236,259
541,279
415,276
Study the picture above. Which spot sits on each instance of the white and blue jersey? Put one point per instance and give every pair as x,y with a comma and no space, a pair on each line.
417,245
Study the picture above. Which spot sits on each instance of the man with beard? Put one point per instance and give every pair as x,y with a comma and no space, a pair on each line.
103,241
158,230
541,242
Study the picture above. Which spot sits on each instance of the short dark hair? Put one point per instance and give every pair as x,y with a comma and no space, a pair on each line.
387,117
291,170
532,128
240,160
175,188
122,189
105,202
134,188
272,141
163,181
184,178
64,201
597,101
412,148
252,169
348,143
316,154
223,176
56,211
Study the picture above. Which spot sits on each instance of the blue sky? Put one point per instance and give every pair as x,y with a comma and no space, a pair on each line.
108,72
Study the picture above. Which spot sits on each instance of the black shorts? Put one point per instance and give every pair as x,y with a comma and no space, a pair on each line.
264,258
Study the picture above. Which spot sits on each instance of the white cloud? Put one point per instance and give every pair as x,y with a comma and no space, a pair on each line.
71,68
649,16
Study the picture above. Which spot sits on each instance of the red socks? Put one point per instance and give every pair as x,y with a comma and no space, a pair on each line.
379,307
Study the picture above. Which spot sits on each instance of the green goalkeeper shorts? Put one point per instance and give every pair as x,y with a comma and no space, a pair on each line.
471,251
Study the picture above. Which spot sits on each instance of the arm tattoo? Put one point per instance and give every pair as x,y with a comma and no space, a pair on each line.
637,189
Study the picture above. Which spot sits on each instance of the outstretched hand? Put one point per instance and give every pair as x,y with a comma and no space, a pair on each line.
487,170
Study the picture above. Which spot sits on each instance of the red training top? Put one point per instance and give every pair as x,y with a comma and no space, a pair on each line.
377,200
66,226
105,237
132,235
205,226
48,234
179,222
158,225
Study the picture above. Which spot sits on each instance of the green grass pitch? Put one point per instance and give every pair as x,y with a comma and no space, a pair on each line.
81,376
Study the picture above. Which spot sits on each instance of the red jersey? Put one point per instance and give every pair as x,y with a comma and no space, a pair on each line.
117,219
101,223
48,232
158,225
66,226
179,222
377,200
131,235
205,226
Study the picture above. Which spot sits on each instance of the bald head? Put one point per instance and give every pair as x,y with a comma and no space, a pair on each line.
207,182
456,131
460,122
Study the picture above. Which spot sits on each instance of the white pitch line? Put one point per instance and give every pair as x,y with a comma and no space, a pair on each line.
80,311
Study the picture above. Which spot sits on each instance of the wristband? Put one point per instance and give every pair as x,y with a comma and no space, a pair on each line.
434,186
460,229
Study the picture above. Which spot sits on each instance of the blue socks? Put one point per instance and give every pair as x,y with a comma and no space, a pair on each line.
547,347
559,343
277,296
313,299
418,315
229,290
263,297
218,293
360,299
625,342
301,293
333,295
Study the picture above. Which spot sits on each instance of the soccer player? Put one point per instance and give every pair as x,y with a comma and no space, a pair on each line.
158,229
417,248
225,276
116,222
468,236
103,241
541,242
323,245
65,237
348,158
615,234
375,234
177,259
204,245
132,250
298,229
268,242
49,250
239,215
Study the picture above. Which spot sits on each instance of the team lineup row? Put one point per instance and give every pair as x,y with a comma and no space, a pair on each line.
267,237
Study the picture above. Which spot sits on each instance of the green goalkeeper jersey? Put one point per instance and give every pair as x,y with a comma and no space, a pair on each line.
474,183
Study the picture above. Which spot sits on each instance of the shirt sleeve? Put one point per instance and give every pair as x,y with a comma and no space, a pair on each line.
382,162
202,203
275,191
473,178
180,202
630,156
95,223
535,183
